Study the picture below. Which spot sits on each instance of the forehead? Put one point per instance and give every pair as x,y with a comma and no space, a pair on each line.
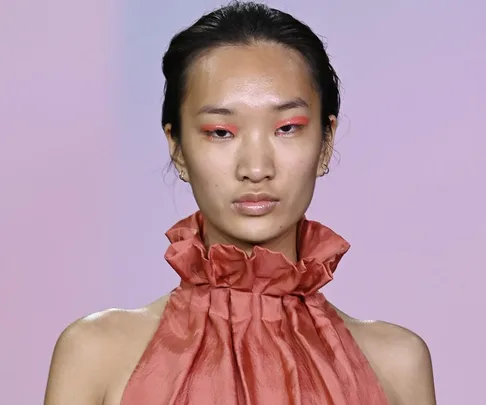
249,76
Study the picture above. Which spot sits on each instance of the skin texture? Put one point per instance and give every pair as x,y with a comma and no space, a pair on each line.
260,156
258,152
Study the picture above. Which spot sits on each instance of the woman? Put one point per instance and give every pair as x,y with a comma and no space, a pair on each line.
250,113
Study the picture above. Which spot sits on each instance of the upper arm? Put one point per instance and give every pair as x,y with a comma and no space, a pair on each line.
417,382
413,379
75,375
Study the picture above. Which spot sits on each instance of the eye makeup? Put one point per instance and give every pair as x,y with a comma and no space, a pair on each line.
219,127
297,121
300,120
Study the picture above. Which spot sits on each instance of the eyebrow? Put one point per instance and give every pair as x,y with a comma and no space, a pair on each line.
287,105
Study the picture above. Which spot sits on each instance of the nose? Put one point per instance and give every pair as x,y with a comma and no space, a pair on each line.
255,158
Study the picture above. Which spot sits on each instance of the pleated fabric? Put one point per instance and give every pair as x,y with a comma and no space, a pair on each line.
252,330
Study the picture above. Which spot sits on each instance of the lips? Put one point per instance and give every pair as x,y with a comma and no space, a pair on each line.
256,197
257,204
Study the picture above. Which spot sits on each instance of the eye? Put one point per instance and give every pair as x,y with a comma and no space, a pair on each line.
218,134
288,129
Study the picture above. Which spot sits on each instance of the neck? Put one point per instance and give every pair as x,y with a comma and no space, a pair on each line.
285,243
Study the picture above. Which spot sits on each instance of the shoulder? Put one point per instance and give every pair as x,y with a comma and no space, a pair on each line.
404,361
82,357
92,335
88,352
98,330
400,358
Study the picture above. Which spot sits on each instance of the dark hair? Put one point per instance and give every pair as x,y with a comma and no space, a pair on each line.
244,23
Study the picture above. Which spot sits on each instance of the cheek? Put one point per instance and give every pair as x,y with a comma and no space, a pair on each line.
298,173
300,161
206,174
209,176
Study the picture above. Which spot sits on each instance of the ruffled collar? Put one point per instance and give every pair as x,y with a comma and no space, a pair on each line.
265,272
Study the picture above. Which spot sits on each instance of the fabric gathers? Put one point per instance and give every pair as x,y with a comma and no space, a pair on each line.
252,330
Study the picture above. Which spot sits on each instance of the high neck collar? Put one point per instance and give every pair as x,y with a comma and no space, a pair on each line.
265,271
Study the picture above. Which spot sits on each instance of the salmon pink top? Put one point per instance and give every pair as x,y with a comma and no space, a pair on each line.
252,330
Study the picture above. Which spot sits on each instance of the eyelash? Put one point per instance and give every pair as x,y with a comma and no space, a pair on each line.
212,134
297,127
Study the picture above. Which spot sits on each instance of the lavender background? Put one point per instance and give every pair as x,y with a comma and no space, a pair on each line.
85,200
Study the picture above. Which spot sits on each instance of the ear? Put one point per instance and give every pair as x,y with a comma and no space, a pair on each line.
176,152
327,147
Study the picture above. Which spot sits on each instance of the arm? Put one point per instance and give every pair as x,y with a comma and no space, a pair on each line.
75,375
413,380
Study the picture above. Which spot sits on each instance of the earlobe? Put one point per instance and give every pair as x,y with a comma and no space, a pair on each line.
176,154
323,160
323,170
327,147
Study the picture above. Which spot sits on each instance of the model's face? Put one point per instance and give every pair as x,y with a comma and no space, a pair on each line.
251,125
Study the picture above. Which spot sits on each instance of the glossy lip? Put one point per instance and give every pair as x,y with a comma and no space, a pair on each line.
255,204
255,197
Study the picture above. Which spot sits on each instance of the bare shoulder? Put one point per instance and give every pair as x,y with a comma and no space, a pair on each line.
93,350
400,358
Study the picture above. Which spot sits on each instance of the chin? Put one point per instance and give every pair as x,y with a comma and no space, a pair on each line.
256,230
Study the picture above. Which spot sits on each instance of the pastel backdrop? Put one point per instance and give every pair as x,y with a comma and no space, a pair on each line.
86,196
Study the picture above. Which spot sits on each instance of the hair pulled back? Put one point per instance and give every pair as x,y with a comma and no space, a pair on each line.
245,23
